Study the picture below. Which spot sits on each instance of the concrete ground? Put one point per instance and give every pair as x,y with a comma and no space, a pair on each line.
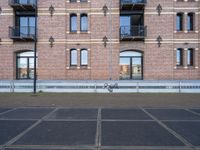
50,121
139,128
99,100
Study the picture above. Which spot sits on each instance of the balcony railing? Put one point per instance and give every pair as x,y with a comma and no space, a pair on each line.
28,5
131,4
25,33
133,32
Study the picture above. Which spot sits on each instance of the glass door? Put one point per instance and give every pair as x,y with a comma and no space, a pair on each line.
136,68
125,68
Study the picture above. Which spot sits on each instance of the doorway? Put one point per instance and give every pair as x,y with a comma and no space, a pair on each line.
131,65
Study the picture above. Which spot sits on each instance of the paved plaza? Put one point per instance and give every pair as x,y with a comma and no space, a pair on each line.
136,128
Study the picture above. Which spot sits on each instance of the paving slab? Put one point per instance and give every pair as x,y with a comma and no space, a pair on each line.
75,114
173,114
4,109
26,113
189,130
196,110
60,133
10,129
124,114
136,134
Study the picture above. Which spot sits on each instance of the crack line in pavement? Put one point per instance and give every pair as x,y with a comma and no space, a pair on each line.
170,130
28,129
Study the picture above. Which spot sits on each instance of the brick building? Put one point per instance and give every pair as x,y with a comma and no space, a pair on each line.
100,39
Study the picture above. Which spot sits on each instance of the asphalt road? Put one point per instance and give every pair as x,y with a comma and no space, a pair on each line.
138,128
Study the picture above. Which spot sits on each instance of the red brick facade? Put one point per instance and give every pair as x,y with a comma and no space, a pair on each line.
159,63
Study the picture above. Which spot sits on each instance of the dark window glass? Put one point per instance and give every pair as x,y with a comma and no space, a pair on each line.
190,19
25,25
179,57
190,57
73,57
84,23
179,22
83,1
73,23
72,1
84,57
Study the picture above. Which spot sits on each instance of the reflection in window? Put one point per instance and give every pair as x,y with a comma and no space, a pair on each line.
84,23
25,65
190,57
84,57
190,23
73,23
73,57
179,22
179,57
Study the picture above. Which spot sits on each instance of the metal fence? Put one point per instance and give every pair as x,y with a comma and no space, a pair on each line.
102,86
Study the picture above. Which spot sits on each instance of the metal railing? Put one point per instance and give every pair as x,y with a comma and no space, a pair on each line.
127,2
22,32
132,31
22,2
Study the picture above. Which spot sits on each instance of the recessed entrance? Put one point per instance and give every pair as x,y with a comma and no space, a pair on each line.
131,65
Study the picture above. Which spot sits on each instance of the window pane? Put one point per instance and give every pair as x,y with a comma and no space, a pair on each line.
179,57
179,22
190,22
73,23
73,57
84,23
84,57
190,57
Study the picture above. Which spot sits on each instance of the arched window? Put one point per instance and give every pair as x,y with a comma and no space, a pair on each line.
190,57
179,22
84,23
84,57
73,23
131,65
25,65
73,57
190,21
179,57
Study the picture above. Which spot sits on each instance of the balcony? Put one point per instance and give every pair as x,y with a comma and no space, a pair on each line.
23,5
133,4
22,33
135,33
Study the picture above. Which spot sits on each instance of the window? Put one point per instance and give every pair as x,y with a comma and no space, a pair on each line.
72,1
179,22
190,57
25,65
73,57
73,23
25,25
84,23
84,57
83,1
179,57
190,21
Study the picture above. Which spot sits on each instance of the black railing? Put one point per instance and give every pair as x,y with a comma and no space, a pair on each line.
22,2
130,2
133,31
23,32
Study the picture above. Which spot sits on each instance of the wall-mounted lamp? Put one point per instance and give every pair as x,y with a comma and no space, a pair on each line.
159,40
105,40
51,41
51,10
105,10
159,9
